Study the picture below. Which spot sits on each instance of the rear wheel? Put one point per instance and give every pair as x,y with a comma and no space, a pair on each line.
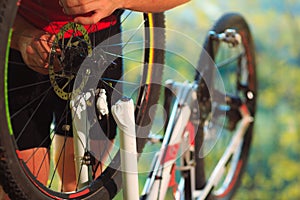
142,50
220,165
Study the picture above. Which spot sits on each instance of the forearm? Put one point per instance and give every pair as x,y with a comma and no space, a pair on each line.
19,32
103,8
152,5
33,44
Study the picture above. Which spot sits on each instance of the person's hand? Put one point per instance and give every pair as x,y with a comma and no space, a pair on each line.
35,49
34,45
89,11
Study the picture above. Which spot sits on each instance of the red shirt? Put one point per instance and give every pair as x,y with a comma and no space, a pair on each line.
48,16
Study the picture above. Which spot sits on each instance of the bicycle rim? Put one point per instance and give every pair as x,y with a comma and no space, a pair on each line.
236,67
16,177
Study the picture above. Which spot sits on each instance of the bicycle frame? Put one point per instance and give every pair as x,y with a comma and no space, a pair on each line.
81,125
177,142
175,139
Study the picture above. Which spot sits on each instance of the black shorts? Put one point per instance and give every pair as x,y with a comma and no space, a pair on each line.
34,107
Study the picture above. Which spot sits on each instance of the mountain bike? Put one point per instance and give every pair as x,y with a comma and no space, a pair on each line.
194,126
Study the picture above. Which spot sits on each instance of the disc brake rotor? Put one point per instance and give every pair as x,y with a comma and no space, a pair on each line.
70,47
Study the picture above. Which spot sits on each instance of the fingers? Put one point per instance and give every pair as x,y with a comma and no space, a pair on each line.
33,58
96,9
93,19
37,53
40,53
42,47
46,41
77,7
81,9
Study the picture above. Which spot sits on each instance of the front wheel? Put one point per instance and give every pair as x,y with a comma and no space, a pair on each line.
142,51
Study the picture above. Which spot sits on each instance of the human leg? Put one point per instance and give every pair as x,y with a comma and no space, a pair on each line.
63,158
37,160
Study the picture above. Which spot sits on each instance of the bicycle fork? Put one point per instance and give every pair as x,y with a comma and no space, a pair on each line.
123,112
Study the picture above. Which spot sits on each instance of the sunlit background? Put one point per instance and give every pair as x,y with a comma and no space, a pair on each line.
273,169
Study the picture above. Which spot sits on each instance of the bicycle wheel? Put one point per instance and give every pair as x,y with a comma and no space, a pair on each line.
16,177
220,165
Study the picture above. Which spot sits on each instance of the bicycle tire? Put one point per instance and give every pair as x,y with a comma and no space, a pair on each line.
237,22
16,179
